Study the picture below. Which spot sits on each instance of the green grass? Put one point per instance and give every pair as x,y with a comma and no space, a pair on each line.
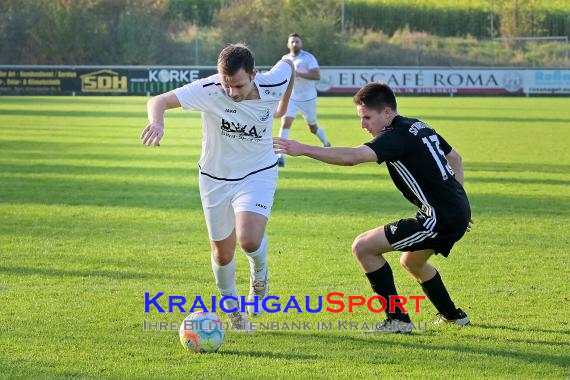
90,220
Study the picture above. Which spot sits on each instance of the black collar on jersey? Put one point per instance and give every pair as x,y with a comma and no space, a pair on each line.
391,126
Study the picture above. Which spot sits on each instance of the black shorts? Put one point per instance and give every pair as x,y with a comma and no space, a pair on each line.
411,235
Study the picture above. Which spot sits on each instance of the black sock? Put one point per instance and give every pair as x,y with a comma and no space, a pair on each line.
382,283
438,295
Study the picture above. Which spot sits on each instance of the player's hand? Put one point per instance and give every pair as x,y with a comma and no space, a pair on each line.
471,222
286,146
152,134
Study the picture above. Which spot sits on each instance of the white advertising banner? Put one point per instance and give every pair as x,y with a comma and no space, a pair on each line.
491,81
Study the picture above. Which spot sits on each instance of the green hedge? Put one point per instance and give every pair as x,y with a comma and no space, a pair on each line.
557,24
441,21
442,18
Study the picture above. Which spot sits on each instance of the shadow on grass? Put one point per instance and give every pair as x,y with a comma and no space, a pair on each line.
142,114
429,118
26,149
524,329
135,151
76,148
382,175
523,341
467,118
407,342
122,193
502,167
519,181
187,167
48,272
104,193
185,170
17,189
65,101
271,355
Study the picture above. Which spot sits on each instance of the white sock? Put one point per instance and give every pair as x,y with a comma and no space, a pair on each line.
225,277
321,135
258,261
284,132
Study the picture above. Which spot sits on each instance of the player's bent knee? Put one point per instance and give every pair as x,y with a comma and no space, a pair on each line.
359,248
222,258
410,265
249,244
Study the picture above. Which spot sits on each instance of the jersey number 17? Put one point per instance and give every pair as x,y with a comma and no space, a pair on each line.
433,145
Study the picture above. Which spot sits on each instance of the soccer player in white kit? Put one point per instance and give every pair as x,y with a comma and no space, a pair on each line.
238,167
304,97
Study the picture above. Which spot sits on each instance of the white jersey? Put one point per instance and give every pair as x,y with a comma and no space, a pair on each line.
236,136
305,89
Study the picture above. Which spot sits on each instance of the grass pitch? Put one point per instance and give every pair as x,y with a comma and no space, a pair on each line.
90,220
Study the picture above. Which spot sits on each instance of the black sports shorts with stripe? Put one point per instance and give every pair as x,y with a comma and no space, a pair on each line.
411,235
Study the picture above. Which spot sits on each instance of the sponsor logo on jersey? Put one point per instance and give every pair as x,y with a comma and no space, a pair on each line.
262,206
231,110
231,129
263,116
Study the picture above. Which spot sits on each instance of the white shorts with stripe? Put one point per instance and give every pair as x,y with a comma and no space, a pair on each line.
221,200
308,109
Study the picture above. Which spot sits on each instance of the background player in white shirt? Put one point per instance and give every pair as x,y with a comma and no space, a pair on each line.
238,167
304,97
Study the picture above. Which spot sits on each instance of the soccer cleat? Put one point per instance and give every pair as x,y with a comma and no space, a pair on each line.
259,288
281,162
391,326
461,320
327,144
239,322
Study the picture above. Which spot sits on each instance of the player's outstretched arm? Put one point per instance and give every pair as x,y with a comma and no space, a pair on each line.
156,107
313,74
284,102
335,156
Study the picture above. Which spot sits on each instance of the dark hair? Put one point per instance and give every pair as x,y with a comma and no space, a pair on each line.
376,96
295,35
234,57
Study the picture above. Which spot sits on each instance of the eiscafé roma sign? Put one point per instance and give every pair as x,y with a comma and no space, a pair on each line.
446,81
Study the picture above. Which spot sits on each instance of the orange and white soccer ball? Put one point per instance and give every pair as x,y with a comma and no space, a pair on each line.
201,332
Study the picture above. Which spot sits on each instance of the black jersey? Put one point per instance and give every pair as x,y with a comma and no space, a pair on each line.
415,156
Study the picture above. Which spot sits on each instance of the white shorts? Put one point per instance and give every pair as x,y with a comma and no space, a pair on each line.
308,108
221,200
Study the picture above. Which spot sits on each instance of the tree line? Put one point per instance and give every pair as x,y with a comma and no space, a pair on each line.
183,32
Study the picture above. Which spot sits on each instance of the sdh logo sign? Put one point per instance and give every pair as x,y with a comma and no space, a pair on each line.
104,81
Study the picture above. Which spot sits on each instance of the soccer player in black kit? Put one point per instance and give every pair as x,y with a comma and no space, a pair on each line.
429,173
